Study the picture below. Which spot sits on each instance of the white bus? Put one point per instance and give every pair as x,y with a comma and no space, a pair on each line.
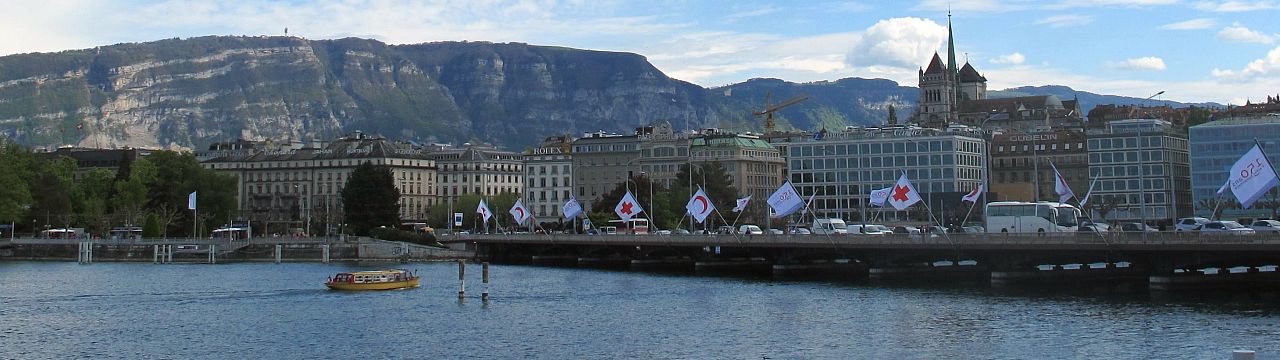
1025,217
635,226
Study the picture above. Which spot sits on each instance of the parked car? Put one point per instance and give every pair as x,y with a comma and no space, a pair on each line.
1266,226
773,231
1094,227
870,229
1224,228
1137,228
973,229
749,229
1189,223
725,230
798,230
906,230
934,230
663,232
828,226
680,232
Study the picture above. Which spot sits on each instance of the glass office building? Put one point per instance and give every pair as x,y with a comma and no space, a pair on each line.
1215,146
1141,165
841,168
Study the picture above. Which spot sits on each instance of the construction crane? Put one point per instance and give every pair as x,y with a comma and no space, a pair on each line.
770,109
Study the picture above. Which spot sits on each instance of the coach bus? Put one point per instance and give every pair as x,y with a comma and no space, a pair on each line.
1026,217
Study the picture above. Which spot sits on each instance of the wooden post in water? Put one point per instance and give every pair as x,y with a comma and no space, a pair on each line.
278,250
462,278
213,254
325,250
155,254
484,294
168,252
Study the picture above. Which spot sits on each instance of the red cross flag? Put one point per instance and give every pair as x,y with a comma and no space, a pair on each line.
700,206
519,212
903,194
628,207
483,210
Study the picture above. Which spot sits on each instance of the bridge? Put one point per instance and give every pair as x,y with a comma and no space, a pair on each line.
1164,260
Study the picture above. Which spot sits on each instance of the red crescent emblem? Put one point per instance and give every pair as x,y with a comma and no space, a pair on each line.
521,210
702,199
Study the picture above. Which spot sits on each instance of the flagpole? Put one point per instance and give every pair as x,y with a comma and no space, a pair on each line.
1264,156
966,215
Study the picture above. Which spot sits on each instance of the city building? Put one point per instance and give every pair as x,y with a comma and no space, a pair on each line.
755,166
548,176
944,86
840,169
1215,147
301,188
601,161
477,169
88,159
1143,172
662,152
1017,156
1025,113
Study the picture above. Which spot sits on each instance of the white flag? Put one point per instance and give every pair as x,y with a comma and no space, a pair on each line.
785,201
879,196
742,204
1252,176
571,208
904,194
191,201
1090,192
483,210
700,206
808,204
1224,187
628,207
972,196
519,212
1060,186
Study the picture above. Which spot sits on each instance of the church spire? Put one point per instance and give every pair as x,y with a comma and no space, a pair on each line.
952,70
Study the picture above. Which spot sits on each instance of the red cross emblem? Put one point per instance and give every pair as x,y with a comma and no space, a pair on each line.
626,207
900,193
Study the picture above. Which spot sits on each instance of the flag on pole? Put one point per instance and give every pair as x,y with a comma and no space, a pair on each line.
483,210
972,196
1224,187
571,208
1060,186
519,212
1090,192
904,194
700,206
808,204
1252,176
742,204
628,207
785,201
191,201
879,196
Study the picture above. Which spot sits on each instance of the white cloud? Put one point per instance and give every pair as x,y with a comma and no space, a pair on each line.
1065,20
751,13
1239,33
969,6
902,42
1193,24
1013,59
1142,63
1236,6
1266,67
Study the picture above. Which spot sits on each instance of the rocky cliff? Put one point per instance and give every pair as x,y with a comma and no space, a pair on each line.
191,92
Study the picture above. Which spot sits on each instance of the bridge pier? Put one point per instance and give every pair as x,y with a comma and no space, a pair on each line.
554,260
1059,274
663,264
932,272
1251,279
604,262
819,267
753,264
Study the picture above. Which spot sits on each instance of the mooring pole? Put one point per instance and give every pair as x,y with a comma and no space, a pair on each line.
462,278
325,249
484,294
278,249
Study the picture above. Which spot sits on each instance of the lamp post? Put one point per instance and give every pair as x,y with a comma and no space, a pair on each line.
652,223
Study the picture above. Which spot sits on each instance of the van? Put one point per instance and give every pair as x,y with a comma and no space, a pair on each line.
828,226
868,229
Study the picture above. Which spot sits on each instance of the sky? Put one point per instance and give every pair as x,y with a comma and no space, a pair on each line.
1194,51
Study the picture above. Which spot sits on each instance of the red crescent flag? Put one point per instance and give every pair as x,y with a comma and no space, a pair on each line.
520,212
628,207
1060,186
972,196
483,210
700,206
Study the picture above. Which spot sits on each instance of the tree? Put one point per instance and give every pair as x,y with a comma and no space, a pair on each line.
131,191
179,174
151,228
370,199
15,195
52,190
640,190
92,190
1105,205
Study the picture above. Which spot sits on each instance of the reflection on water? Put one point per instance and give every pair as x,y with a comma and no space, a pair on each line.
122,310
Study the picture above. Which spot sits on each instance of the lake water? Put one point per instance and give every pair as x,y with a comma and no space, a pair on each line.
270,311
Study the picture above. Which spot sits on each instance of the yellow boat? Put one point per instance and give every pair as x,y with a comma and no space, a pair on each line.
374,280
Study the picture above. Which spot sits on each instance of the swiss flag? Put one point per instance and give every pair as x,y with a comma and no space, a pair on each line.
628,207
903,194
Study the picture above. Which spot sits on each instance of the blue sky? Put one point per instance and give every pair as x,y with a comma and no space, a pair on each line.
1223,51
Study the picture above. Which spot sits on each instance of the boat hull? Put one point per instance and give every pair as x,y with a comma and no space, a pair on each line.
392,285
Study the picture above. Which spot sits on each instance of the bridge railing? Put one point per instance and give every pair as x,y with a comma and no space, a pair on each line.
1072,238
